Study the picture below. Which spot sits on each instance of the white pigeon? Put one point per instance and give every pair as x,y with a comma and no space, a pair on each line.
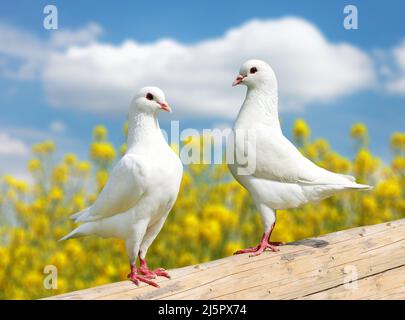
142,188
281,177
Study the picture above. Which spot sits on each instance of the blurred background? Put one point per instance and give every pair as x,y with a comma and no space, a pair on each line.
64,94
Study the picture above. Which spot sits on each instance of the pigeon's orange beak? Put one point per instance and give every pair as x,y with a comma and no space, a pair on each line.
238,80
164,106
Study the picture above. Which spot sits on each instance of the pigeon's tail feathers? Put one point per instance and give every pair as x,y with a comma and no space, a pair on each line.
86,216
348,177
359,186
81,231
78,214
353,184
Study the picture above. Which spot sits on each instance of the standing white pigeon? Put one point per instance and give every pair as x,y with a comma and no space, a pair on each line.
282,177
142,188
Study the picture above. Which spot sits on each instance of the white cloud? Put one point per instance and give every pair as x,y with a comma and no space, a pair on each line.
79,71
65,37
23,55
10,146
102,77
57,126
396,83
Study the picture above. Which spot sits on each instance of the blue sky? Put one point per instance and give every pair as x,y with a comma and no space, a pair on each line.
47,92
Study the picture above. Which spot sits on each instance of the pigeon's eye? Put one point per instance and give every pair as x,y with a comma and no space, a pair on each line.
253,70
149,96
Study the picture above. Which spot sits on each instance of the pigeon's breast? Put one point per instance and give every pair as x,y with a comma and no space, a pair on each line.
166,173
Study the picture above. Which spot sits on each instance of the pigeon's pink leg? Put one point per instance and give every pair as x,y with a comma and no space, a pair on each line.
144,270
136,278
263,245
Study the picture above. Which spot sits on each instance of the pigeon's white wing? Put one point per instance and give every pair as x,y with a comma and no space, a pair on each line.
278,159
123,190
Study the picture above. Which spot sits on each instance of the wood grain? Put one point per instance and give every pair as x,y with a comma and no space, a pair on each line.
316,268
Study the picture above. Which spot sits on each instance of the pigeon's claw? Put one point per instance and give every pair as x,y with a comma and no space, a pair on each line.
137,278
152,274
247,250
263,245
162,273
259,249
272,246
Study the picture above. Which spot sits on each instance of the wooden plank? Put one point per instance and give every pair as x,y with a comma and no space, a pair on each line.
315,268
385,285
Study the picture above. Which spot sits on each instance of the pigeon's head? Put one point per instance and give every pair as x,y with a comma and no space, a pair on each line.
150,100
254,73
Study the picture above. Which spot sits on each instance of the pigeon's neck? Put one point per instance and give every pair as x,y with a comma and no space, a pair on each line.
260,106
142,128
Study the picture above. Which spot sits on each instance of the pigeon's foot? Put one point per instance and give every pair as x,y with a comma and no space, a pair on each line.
263,245
259,249
271,245
136,278
151,274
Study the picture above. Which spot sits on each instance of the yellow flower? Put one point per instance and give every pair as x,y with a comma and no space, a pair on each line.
311,151
18,236
220,213
70,159
110,271
44,148
9,180
369,204
33,279
39,204
398,163
125,128
56,194
191,225
321,145
123,148
91,198
59,260
11,195
336,163
4,258
186,258
99,132
78,201
21,208
21,186
247,228
100,280
60,173
83,167
364,162
358,130
389,189
34,165
231,247
40,225
301,129
211,231
102,151
73,249
62,284
398,140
